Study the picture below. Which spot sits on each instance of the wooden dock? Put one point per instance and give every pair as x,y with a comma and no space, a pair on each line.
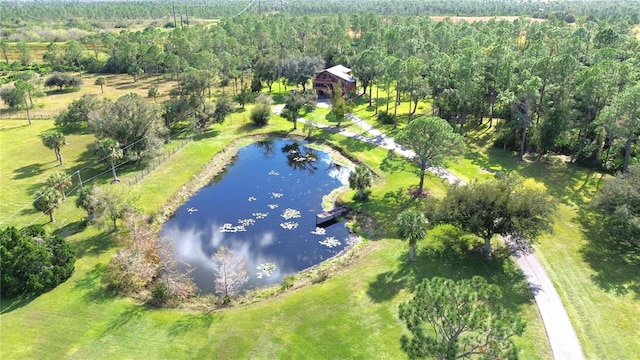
330,215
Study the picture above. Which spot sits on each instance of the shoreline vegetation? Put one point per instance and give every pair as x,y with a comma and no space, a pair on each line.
542,95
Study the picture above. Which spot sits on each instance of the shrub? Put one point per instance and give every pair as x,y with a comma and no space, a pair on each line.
62,80
320,276
32,261
385,117
288,282
261,114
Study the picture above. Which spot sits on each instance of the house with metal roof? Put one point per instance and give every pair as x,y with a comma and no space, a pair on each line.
324,80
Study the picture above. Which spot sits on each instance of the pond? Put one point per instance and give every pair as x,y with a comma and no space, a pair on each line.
264,208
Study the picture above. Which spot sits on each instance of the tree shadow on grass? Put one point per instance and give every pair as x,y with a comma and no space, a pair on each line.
206,135
384,210
95,245
193,322
133,313
395,163
91,284
614,258
9,304
71,228
454,255
27,171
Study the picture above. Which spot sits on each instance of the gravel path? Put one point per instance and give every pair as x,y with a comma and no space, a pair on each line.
562,337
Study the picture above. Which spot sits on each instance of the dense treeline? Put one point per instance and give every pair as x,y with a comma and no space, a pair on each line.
548,82
17,12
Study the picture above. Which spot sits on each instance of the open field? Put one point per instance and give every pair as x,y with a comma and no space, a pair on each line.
353,314
117,85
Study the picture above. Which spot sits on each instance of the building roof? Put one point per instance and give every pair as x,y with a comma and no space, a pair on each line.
341,72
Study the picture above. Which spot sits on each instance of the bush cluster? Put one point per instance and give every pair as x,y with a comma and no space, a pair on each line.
32,262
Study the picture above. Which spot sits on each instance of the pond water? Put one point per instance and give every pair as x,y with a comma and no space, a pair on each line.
264,208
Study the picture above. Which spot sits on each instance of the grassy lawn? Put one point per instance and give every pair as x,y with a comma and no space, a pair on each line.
599,290
353,314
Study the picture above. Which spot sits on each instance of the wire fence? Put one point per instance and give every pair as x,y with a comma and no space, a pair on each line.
24,117
158,161
87,174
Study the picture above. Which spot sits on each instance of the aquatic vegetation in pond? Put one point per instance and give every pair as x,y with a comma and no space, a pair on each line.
266,269
246,222
319,231
260,215
289,225
232,229
330,242
252,229
290,214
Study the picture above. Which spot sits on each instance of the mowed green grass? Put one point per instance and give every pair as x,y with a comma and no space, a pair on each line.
599,290
351,315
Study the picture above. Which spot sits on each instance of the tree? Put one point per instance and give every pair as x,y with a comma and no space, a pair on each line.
20,95
46,200
368,66
244,96
360,179
147,262
618,204
73,53
4,47
231,272
133,122
54,140
339,105
111,203
432,140
153,93
77,113
25,53
108,148
268,70
88,201
622,120
224,108
455,320
59,181
298,70
33,261
62,80
101,81
412,226
294,102
506,206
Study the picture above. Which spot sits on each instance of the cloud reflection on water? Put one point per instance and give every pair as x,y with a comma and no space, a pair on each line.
197,235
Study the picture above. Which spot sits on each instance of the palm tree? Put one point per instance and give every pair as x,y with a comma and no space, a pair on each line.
108,148
360,179
60,182
54,140
412,226
46,200
102,82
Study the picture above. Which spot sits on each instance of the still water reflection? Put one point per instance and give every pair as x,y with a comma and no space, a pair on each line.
263,207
